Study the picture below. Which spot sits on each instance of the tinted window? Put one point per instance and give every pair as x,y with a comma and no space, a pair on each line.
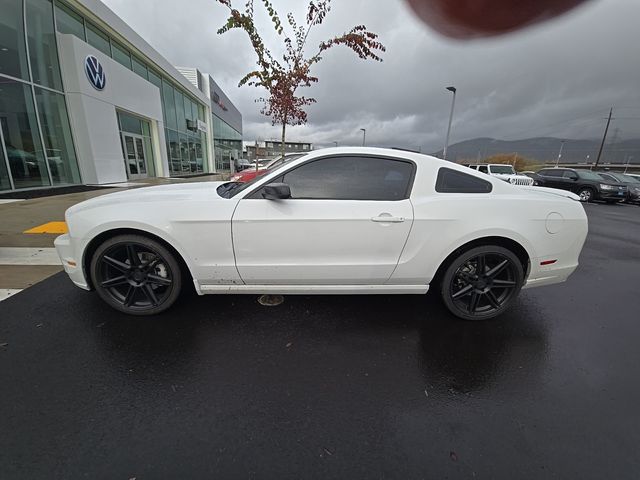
551,173
483,169
351,178
569,174
453,181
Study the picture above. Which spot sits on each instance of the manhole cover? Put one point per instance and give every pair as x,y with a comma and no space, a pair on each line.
270,300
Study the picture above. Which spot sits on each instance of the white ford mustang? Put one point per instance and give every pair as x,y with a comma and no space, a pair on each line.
336,221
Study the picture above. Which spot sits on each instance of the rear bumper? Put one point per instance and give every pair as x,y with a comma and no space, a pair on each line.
71,264
550,277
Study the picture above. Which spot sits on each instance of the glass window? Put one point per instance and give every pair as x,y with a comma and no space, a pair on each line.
98,39
555,172
587,174
5,184
182,122
43,50
173,150
155,78
570,174
129,123
139,67
69,22
200,112
169,105
351,178
13,52
21,138
453,181
483,169
120,54
56,133
184,152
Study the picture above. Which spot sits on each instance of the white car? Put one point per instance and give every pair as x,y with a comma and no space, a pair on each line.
336,221
504,172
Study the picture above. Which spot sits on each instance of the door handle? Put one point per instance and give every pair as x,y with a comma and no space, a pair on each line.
387,218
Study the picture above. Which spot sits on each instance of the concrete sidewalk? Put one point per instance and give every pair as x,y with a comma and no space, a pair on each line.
26,259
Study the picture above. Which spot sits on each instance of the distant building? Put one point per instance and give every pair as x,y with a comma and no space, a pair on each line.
273,148
226,120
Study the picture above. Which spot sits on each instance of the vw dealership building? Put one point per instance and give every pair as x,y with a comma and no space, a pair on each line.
85,100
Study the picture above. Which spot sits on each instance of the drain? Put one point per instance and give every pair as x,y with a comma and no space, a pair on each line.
270,300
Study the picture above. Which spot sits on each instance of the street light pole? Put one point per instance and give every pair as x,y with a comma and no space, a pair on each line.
336,143
604,139
453,103
560,153
364,136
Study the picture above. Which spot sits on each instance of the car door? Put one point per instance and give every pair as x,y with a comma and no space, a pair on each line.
346,223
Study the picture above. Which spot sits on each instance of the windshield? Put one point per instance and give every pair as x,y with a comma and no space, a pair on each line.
502,169
628,179
231,189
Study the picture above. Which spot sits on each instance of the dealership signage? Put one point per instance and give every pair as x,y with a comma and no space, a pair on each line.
95,72
201,126
220,103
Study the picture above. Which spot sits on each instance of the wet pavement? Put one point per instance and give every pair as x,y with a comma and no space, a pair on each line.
331,387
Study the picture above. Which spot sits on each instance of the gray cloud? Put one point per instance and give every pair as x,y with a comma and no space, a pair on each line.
557,79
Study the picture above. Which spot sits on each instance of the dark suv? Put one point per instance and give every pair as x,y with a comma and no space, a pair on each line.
586,184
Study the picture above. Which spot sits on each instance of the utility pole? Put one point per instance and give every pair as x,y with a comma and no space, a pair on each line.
560,153
453,104
604,139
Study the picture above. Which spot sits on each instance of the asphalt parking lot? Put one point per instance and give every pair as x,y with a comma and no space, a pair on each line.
331,387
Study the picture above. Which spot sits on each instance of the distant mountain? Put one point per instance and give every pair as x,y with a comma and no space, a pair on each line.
546,149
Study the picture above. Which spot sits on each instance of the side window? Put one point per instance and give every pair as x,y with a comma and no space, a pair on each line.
570,174
607,177
483,169
551,173
350,178
453,181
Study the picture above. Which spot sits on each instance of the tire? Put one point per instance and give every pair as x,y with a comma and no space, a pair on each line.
148,288
586,194
473,296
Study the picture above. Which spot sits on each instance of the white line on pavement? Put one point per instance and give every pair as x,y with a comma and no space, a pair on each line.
10,200
8,292
28,256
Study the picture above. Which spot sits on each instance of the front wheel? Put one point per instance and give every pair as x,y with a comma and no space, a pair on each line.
482,282
586,194
136,275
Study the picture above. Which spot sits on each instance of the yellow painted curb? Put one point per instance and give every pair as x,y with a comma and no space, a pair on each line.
51,227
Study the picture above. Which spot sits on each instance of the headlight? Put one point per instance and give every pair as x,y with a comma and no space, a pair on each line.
637,189
535,183
607,187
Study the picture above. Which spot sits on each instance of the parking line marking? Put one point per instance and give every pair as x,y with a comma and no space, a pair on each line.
8,292
10,200
51,227
28,256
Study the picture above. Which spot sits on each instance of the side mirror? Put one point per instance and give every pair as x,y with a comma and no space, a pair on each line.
276,191
574,178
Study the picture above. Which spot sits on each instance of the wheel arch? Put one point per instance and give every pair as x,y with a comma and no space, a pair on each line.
101,237
501,241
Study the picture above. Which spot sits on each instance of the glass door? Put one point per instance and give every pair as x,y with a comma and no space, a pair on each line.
135,157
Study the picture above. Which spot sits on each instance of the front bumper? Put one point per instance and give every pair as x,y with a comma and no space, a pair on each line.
611,195
71,264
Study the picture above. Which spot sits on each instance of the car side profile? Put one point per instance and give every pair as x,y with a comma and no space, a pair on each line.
586,184
335,221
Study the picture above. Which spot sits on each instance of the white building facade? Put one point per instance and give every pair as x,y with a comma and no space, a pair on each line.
85,100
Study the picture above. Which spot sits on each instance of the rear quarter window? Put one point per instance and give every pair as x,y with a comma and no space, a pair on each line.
453,181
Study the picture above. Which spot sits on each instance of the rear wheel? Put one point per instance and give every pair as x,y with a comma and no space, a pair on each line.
482,282
586,194
136,275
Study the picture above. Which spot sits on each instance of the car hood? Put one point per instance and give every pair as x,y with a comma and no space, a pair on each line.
159,193
550,191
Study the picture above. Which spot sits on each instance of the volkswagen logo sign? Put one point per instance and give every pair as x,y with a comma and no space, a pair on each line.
95,72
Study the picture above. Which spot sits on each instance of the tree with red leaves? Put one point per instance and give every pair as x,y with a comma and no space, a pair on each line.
282,79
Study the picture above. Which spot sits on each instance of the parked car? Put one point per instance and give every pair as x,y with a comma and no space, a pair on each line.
632,183
263,167
339,221
242,164
504,172
586,184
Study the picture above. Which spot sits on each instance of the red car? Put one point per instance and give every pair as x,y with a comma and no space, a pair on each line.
251,173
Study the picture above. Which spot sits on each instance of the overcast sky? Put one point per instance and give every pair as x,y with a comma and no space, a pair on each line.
558,79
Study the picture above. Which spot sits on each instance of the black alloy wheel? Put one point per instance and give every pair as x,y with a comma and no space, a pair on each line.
136,275
482,282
